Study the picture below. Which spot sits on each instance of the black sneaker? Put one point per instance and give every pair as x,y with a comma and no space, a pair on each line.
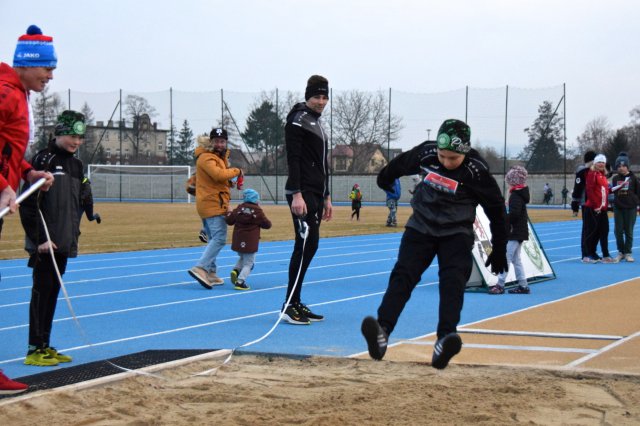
520,290
234,275
293,316
202,236
375,336
307,313
445,349
241,285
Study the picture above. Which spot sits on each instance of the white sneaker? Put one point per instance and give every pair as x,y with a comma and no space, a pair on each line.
619,257
200,275
214,279
629,258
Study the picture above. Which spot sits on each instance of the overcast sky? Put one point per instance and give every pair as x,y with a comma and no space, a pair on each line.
419,46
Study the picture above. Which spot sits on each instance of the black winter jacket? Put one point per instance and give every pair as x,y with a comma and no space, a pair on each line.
306,144
445,202
517,218
628,196
60,205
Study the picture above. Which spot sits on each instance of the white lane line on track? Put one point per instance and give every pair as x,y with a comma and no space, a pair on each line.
151,287
602,350
539,334
510,347
222,321
204,299
506,315
234,256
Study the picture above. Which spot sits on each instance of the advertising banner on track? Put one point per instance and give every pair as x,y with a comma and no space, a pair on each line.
536,265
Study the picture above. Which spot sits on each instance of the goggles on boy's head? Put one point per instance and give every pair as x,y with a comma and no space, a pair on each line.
70,123
454,135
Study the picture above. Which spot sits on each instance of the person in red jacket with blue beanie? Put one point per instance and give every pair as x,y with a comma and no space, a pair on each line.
33,63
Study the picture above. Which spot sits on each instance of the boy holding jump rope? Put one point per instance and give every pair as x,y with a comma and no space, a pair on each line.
60,209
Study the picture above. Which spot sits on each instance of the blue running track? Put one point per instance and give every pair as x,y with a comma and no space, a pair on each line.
135,301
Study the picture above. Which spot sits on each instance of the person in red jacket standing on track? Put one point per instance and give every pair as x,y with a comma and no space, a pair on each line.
33,64
595,210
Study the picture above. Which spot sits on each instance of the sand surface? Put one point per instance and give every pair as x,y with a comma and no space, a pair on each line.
257,390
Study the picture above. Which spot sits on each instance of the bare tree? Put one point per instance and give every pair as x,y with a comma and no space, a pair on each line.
139,111
596,135
363,119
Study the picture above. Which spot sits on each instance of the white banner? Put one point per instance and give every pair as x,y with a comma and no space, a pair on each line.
534,259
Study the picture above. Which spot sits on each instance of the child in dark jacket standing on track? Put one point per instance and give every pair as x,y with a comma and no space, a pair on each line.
517,227
248,218
60,207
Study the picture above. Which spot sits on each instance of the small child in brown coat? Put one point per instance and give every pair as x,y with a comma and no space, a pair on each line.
248,218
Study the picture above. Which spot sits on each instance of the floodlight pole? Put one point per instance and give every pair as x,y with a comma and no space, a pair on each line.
504,153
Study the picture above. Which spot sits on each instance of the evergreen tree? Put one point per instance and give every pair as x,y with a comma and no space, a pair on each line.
617,144
46,108
543,152
87,152
182,152
264,133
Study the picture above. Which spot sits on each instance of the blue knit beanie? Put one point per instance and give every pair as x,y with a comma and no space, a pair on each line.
251,196
35,50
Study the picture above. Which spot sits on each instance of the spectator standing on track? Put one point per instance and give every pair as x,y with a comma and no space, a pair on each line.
517,229
307,191
564,193
213,194
356,201
548,193
59,206
456,180
393,195
578,197
247,219
33,64
626,190
595,212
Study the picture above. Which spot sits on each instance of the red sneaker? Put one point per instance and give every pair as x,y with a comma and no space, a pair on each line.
8,386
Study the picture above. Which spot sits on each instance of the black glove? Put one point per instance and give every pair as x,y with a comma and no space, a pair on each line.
97,218
497,260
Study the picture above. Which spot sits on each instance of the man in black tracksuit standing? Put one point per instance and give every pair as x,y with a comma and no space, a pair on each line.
307,190
456,179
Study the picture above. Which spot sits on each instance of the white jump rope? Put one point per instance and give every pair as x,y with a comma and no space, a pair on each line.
303,232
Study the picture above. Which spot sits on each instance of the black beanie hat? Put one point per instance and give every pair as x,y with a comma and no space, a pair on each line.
622,160
589,156
454,135
315,89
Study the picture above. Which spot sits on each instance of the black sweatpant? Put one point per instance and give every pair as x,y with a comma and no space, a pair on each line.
300,259
44,297
417,251
596,229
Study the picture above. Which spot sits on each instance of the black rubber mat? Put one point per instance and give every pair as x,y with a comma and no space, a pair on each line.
94,370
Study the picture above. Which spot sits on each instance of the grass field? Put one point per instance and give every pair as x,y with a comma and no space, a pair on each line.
146,226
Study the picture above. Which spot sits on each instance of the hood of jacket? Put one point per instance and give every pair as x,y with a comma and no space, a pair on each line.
523,193
301,106
9,76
